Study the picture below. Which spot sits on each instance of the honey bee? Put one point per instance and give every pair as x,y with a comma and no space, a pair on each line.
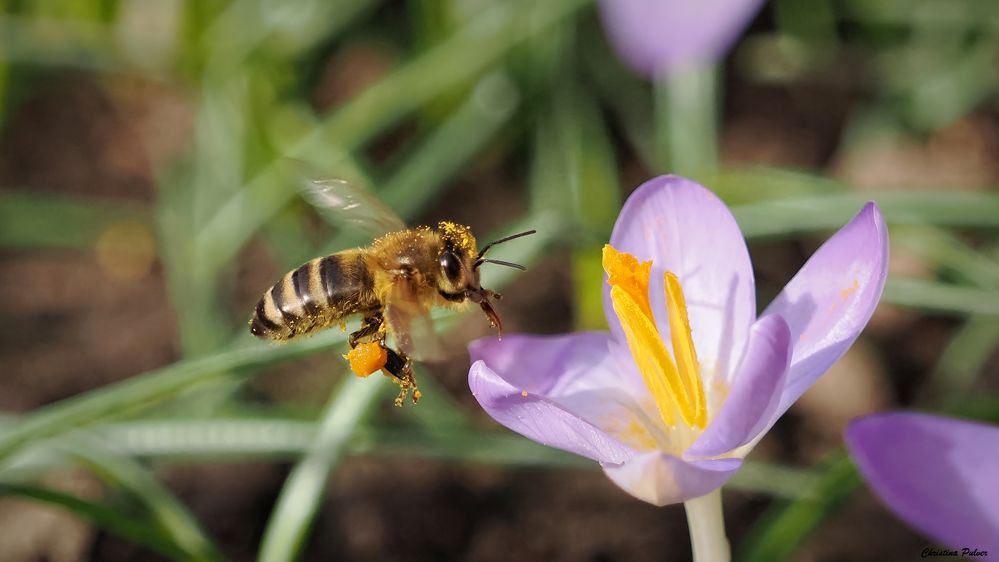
391,284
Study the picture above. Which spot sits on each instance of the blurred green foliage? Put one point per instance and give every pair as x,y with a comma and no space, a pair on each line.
467,81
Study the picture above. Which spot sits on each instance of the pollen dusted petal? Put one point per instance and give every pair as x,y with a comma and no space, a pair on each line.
654,362
683,348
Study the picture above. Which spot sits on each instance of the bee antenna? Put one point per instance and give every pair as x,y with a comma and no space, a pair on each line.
480,261
485,248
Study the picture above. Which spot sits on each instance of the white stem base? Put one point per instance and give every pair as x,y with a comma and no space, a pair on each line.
707,528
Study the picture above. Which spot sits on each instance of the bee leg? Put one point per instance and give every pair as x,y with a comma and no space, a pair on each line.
371,326
400,367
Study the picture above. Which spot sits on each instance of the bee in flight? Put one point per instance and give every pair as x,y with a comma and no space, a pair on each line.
391,284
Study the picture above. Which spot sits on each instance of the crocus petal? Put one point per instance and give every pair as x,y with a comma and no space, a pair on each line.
662,479
684,228
656,36
831,299
578,373
937,474
551,365
541,419
755,392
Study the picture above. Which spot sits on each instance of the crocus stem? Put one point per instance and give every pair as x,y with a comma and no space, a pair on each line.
707,528
686,107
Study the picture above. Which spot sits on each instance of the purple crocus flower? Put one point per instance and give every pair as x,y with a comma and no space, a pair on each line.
657,36
939,475
668,426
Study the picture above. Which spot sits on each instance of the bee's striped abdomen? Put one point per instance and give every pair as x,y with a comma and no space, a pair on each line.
314,296
332,275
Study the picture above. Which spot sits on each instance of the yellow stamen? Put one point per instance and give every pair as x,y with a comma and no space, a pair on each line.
673,389
650,354
683,347
624,271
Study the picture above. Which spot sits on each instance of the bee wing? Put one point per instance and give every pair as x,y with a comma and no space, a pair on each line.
352,205
410,323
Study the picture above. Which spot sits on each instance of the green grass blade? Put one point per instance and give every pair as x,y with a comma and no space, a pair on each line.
459,59
35,221
585,180
46,41
302,494
466,131
775,480
780,532
165,512
145,390
941,298
507,449
754,184
221,439
275,439
974,406
455,61
99,516
963,361
628,99
282,30
423,175
943,14
438,410
574,173
970,348
788,217
945,250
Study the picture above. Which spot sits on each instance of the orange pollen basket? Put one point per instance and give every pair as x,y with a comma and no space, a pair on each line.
366,358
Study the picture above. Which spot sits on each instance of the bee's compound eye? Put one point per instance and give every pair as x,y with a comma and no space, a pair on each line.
451,266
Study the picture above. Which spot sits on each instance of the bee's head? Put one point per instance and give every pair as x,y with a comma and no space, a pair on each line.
459,263
458,272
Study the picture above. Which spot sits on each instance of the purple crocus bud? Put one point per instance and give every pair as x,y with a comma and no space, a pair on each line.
940,475
688,379
657,36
